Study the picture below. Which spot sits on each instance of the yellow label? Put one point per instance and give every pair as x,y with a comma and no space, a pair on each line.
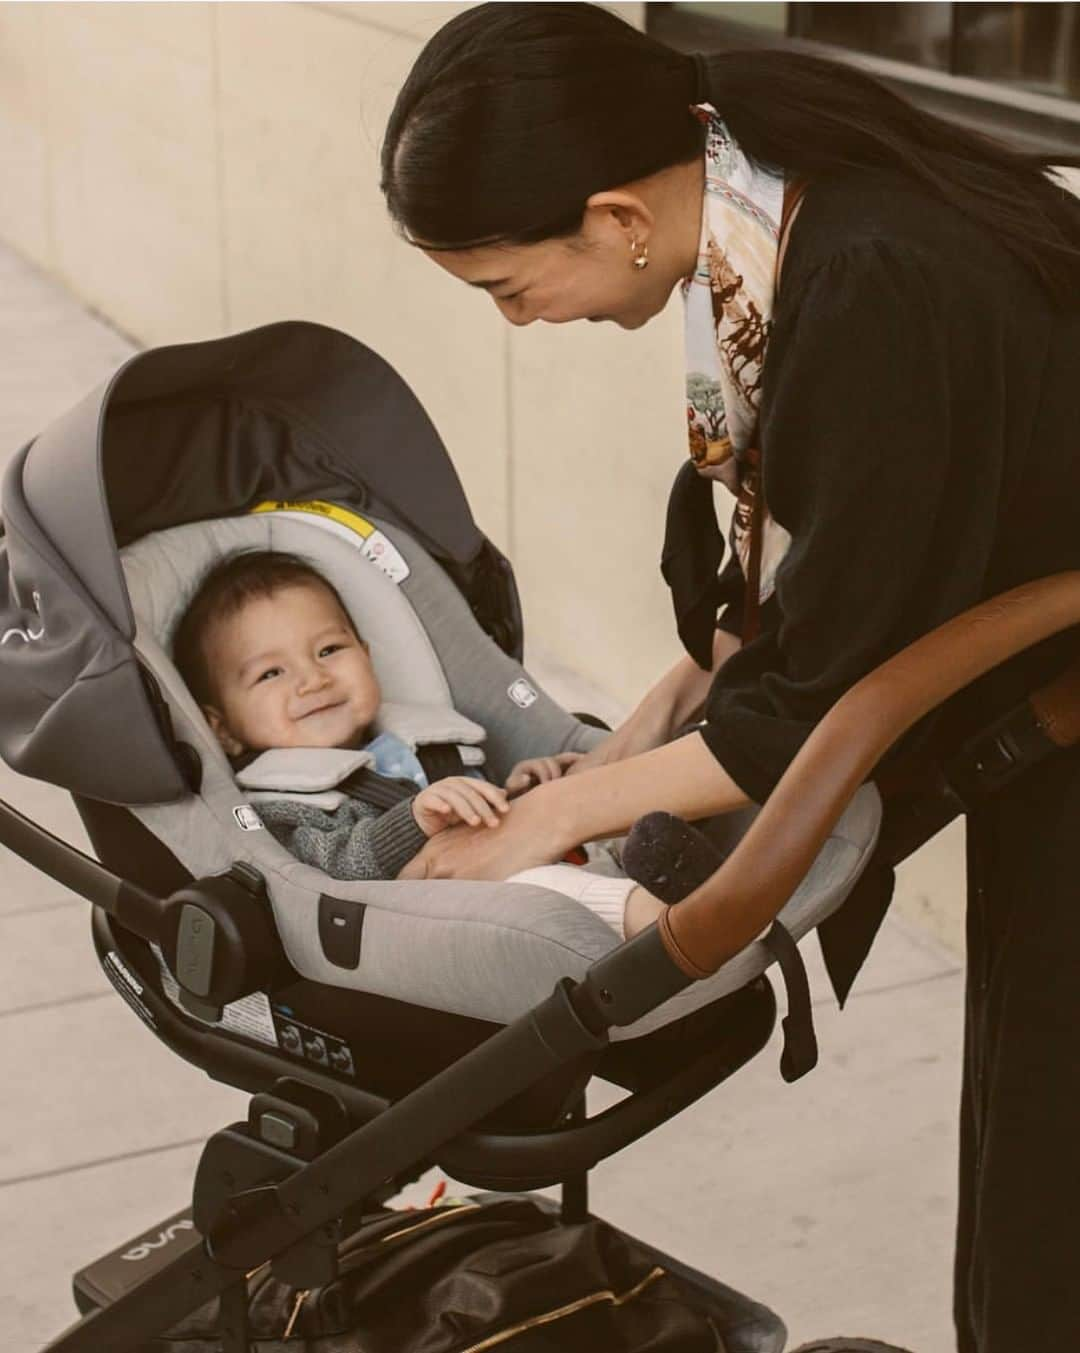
352,520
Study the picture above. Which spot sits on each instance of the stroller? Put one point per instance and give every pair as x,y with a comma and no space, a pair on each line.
381,1027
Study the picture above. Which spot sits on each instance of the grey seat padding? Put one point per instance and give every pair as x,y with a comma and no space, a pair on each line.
487,950
304,770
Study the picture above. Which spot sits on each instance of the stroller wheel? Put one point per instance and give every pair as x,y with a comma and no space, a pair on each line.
849,1346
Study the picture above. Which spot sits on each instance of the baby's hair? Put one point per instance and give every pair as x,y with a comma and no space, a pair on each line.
241,577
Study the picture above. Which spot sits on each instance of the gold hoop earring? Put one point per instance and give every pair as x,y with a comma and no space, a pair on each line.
640,254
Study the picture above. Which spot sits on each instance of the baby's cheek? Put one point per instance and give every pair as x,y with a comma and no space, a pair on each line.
264,721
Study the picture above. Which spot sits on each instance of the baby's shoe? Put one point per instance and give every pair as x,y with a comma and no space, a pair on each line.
668,857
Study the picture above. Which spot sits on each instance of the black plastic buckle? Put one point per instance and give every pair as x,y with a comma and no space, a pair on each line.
994,757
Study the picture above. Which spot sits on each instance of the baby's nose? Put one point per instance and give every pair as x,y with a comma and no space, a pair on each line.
313,677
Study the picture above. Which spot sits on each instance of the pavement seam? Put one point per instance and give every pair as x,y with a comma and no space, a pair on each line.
892,986
38,910
102,1160
51,1005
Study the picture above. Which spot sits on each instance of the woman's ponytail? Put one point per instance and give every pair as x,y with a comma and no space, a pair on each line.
824,118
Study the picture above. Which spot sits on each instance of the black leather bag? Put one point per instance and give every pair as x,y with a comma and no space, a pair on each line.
477,1276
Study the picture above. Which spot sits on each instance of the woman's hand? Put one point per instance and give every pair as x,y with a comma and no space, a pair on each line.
646,728
525,838
458,799
540,770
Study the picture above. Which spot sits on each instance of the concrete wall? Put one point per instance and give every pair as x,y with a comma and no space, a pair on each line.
195,169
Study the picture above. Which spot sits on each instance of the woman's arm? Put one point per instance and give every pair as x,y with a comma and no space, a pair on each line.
682,777
675,700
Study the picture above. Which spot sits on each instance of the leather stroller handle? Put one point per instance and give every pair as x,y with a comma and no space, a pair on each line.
731,908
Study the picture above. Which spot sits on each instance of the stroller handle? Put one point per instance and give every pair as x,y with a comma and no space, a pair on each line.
731,908
128,904
217,934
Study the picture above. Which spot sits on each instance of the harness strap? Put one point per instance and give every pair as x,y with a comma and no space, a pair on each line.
380,791
440,759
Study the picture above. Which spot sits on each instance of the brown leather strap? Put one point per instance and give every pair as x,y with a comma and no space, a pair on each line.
752,597
1057,707
794,192
732,907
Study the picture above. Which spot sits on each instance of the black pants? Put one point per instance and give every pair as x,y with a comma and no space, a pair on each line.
1017,1279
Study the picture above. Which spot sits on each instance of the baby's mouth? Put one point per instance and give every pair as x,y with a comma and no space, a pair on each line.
323,709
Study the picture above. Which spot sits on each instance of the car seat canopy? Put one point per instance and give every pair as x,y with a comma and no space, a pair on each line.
181,434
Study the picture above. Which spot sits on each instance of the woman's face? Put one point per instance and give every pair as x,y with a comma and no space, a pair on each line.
590,276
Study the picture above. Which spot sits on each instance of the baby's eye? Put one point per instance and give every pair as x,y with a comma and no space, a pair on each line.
327,649
270,673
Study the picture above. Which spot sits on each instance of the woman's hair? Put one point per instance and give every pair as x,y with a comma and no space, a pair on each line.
236,580
514,114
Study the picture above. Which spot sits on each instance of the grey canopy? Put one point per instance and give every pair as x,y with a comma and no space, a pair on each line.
180,434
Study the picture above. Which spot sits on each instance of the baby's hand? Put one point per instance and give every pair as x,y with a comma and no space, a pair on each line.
458,799
538,770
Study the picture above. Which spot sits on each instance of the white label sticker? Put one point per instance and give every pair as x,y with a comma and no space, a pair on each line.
248,1017
522,693
251,1018
386,557
247,819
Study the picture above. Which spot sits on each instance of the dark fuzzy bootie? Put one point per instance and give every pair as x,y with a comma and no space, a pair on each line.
668,857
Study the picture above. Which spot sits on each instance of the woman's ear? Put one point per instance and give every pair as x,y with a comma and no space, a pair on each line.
229,745
622,210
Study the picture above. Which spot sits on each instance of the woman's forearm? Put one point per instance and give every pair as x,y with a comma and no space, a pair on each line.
682,777
674,701
682,691
595,800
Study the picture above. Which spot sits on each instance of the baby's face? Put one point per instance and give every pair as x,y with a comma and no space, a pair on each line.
289,671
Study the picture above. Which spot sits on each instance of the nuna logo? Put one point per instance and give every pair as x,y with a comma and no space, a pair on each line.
145,1248
27,633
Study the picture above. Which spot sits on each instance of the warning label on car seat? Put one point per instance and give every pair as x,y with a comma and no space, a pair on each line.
249,1017
342,521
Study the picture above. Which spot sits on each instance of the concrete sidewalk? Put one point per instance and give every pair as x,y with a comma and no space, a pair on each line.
831,1200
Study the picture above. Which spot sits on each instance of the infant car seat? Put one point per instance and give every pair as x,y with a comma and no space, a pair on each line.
294,437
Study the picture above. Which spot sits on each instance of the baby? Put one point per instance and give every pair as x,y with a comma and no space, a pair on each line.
270,653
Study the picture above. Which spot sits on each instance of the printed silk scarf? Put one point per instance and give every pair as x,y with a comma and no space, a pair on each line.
729,305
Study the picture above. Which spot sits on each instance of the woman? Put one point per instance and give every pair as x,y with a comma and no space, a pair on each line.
909,396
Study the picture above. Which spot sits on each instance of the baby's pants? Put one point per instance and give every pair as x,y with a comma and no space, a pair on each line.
599,885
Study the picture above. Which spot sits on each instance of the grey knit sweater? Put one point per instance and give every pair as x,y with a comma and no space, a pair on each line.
353,841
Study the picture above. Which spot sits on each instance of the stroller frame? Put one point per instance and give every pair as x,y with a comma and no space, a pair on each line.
256,1201
294,1218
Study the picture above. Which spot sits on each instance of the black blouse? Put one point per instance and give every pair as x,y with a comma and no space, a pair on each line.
920,435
